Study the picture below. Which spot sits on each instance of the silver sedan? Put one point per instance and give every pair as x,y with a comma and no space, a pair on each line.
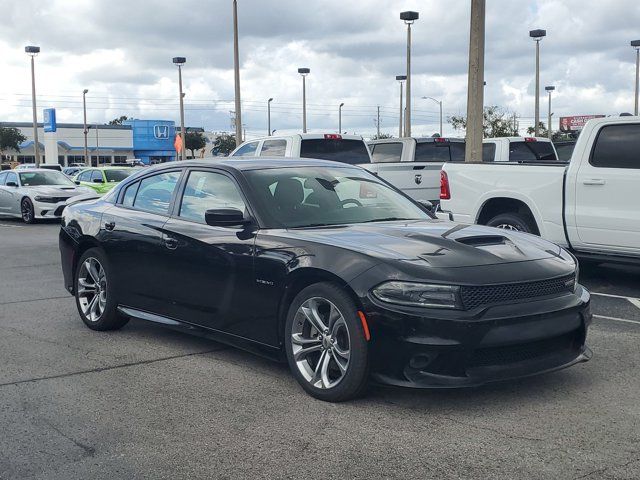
34,193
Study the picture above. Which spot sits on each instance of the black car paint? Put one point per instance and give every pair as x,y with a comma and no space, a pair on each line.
234,284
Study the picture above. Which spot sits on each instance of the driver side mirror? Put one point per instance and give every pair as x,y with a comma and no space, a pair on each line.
77,182
11,184
426,204
225,217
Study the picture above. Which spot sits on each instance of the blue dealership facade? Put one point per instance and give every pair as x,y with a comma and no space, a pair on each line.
153,140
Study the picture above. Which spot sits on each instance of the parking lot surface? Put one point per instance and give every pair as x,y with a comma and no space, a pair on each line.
145,402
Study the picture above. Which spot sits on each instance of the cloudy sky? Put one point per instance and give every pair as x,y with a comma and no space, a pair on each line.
121,51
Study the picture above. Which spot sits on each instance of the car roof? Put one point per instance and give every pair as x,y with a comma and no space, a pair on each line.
254,163
34,169
305,136
517,139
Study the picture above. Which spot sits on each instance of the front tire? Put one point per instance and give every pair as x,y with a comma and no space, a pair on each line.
27,212
512,221
325,343
95,293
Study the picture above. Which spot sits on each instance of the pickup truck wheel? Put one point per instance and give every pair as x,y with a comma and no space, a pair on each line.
511,221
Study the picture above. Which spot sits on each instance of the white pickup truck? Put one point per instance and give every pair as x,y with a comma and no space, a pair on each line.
590,205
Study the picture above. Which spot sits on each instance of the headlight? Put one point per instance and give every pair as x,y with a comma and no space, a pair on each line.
45,199
418,294
565,254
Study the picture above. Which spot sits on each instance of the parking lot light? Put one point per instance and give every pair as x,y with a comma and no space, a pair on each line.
304,72
85,131
537,35
340,118
636,44
401,79
439,102
32,51
179,62
408,17
269,116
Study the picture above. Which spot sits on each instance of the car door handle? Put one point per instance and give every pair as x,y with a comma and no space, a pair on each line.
110,226
594,181
171,243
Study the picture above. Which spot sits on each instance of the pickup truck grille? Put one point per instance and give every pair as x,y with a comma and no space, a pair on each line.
475,296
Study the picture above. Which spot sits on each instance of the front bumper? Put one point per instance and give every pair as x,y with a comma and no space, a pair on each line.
463,349
44,210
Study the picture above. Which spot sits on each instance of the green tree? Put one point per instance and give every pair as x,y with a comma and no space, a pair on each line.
496,122
381,136
10,139
542,130
195,141
119,121
224,144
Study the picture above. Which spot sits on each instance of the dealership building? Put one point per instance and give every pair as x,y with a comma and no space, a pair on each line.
150,141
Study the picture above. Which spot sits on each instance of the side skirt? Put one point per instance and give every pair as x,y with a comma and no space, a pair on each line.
264,350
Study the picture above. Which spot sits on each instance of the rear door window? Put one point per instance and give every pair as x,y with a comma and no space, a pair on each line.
617,146
3,175
273,148
85,176
155,192
386,152
96,175
11,177
353,152
523,151
247,150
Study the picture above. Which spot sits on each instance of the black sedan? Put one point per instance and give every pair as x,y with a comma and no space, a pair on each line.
329,267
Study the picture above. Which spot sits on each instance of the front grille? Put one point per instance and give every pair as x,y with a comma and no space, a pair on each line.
52,199
506,355
474,296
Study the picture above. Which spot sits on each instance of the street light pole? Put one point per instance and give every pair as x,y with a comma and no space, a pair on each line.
304,72
636,44
537,35
400,78
32,51
439,102
180,61
269,116
549,89
84,111
236,72
475,83
408,18
340,118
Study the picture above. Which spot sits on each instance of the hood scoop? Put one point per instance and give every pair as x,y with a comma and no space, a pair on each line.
482,240
67,188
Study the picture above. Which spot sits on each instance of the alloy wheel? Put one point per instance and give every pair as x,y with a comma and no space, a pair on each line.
508,226
27,211
92,289
320,343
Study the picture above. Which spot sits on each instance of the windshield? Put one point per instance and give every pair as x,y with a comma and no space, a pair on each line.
318,196
114,176
353,152
50,177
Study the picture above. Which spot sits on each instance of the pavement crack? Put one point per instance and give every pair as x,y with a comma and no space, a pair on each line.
34,300
87,450
600,471
113,367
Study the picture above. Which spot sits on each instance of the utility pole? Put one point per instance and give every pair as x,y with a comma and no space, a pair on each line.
400,79
32,51
549,89
475,88
515,124
378,121
236,71
537,35
304,72
636,44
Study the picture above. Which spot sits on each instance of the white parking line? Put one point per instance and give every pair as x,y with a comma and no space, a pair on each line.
637,322
633,300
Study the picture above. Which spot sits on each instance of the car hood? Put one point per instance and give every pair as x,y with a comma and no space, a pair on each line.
58,190
433,242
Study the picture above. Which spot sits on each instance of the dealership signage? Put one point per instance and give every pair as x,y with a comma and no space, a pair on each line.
576,122
50,124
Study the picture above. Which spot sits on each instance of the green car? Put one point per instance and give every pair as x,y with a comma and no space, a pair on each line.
103,179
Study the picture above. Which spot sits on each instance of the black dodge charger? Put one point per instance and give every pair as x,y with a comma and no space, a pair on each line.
329,267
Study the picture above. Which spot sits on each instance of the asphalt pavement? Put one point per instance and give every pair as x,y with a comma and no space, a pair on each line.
146,402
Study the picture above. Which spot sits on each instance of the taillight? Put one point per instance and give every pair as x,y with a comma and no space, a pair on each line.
445,192
530,139
442,140
332,136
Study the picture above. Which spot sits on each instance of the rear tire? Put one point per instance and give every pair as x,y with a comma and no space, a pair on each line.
95,293
512,221
325,343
